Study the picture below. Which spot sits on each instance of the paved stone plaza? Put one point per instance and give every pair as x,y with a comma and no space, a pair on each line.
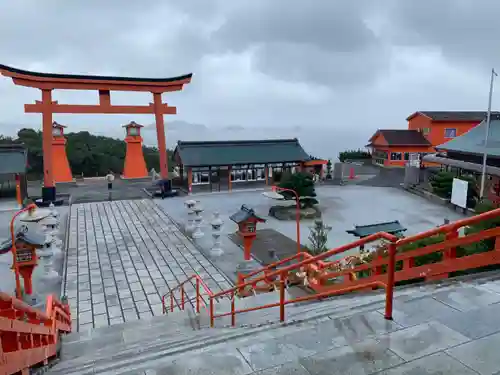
342,207
123,256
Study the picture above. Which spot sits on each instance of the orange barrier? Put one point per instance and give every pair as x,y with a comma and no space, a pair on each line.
381,271
29,336
199,297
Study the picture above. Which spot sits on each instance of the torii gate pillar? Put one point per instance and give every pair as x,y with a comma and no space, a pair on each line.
61,169
135,166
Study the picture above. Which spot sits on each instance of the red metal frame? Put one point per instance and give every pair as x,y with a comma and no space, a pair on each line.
29,336
382,270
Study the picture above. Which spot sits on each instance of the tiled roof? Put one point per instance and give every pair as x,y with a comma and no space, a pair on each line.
453,115
402,137
472,142
208,153
391,227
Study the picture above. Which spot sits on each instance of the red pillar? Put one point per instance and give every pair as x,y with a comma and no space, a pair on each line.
62,171
48,173
160,134
135,166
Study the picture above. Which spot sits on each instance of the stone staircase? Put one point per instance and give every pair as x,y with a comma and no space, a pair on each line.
344,334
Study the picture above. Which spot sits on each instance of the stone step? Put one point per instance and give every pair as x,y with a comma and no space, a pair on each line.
310,327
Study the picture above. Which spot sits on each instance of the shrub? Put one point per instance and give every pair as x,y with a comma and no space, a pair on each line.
442,186
354,155
303,184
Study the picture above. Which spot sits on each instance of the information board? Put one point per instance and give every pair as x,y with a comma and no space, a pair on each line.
459,192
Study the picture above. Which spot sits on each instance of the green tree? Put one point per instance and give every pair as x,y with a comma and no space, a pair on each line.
354,155
88,154
318,237
302,183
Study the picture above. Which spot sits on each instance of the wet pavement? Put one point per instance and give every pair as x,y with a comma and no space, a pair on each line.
342,207
123,256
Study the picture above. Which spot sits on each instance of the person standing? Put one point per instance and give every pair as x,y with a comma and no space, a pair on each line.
110,177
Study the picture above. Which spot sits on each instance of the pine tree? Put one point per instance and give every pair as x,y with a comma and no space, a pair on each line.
318,237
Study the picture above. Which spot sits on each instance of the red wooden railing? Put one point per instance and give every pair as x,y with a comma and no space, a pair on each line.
30,337
379,272
198,298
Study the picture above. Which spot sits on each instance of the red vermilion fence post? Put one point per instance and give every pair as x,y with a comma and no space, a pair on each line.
197,295
233,314
282,297
391,269
211,312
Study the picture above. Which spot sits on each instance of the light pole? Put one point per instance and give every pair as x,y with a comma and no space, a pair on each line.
275,189
488,121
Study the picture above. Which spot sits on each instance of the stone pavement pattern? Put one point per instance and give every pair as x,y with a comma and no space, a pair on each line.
449,329
123,256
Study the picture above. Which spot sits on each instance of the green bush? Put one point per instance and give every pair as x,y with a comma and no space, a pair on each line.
303,184
442,186
354,155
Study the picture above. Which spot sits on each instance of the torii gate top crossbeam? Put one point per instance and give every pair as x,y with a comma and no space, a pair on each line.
92,82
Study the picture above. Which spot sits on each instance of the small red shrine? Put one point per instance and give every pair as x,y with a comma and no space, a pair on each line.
135,166
247,227
62,171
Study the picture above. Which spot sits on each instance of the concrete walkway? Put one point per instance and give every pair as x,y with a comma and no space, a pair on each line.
123,256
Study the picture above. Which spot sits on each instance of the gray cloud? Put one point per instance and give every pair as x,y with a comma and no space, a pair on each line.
329,43
334,70
464,31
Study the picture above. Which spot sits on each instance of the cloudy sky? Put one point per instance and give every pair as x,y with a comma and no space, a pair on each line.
330,72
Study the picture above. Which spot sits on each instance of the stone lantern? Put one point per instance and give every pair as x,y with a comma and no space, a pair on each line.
216,224
190,218
197,209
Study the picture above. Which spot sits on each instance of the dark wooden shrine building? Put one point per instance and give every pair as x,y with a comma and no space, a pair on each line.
224,165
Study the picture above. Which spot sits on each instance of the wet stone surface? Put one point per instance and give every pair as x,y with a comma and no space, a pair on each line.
123,256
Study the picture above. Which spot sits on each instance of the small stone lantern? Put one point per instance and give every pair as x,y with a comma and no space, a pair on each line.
190,218
216,224
197,209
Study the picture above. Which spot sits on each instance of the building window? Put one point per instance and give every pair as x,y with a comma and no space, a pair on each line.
426,131
450,133
248,173
407,155
201,178
396,156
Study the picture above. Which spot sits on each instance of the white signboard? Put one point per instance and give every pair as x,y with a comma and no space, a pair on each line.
459,193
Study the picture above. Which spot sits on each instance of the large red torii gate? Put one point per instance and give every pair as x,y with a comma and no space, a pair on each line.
47,82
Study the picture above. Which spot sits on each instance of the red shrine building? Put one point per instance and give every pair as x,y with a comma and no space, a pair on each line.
135,166
426,130
226,165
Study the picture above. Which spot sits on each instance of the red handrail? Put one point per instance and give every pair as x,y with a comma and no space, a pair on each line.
326,254
388,278
34,336
199,282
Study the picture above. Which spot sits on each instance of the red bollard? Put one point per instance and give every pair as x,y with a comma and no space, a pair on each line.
352,176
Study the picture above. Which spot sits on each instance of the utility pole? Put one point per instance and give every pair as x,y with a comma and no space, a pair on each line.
488,121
